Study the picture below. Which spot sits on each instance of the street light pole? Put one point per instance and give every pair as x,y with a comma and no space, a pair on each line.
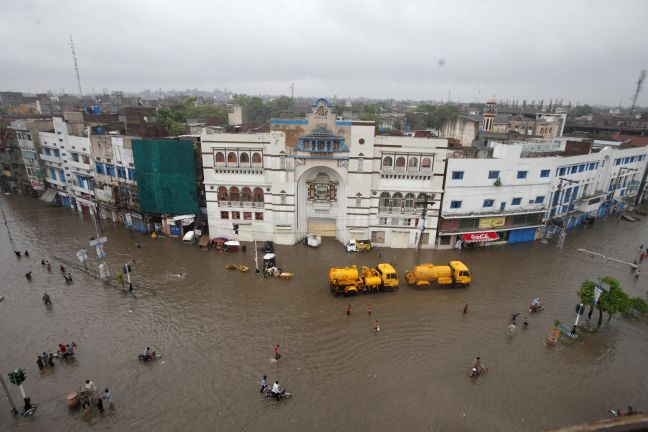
4,386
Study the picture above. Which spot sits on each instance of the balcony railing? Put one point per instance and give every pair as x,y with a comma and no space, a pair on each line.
398,210
50,158
242,204
458,213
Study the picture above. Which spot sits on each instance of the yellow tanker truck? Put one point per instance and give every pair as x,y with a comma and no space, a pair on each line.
354,280
455,274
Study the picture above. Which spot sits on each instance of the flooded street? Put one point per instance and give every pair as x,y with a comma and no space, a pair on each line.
216,330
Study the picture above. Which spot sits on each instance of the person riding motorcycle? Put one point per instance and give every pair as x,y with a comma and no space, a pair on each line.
276,390
69,352
535,304
148,353
477,367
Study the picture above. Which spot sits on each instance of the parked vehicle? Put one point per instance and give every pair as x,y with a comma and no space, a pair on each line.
314,240
351,280
269,260
189,238
232,246
354,245
204,243
219,243
455,274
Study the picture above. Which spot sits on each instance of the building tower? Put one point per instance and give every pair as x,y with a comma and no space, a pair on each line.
489,114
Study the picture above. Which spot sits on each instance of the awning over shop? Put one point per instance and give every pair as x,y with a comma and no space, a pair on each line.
49,195
480,237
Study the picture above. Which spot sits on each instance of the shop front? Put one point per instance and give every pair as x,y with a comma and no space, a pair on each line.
474,231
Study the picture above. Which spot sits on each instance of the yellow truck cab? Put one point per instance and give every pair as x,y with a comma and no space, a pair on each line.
389,276
461,274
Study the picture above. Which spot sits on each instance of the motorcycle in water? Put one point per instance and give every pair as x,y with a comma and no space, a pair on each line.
535,305
144,358
29,409
619,412
69,353
474,372
283,395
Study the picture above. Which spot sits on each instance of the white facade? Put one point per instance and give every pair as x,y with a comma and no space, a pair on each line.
116,185
321,175
68,165
513,194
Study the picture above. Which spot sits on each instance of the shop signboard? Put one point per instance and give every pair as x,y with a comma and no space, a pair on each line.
492,222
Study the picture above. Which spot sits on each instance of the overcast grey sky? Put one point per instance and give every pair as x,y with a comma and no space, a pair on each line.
587,51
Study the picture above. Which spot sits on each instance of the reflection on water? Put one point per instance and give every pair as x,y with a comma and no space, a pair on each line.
216,330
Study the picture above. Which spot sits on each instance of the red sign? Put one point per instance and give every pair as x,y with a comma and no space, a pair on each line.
480,237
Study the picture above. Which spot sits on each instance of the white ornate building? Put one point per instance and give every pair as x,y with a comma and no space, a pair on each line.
322,175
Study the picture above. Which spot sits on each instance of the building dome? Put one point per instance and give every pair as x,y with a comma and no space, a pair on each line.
491,101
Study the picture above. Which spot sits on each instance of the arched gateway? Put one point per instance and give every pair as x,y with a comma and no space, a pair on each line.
321,205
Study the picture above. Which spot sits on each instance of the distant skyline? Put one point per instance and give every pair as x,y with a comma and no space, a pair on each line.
586,51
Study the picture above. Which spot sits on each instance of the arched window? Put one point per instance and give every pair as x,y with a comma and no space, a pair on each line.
384,199
258,194
256,158
234,194
222,193
220,157
400,162
358,199
387,161
420,197
246,193
245,158
409,200
426,163
231,158
413,162
397,201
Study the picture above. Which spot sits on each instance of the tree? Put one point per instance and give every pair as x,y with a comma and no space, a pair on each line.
437,114
174,117
638,304
613,301
121,279
582,110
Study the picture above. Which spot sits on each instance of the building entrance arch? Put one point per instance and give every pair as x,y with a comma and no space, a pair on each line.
321,202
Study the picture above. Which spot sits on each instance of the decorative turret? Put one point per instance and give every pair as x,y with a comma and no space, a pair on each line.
489,114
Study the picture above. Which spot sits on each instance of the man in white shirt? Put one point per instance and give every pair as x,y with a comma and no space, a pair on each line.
276,390
90,387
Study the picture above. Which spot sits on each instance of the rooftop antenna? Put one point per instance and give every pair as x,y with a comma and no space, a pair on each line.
76,66
642,77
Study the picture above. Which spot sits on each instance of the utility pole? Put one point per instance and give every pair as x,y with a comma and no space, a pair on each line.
617,182
98,243
549,215
566,219
6,225
427,200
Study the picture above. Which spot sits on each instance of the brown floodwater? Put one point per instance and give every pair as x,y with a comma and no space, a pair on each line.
216,329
